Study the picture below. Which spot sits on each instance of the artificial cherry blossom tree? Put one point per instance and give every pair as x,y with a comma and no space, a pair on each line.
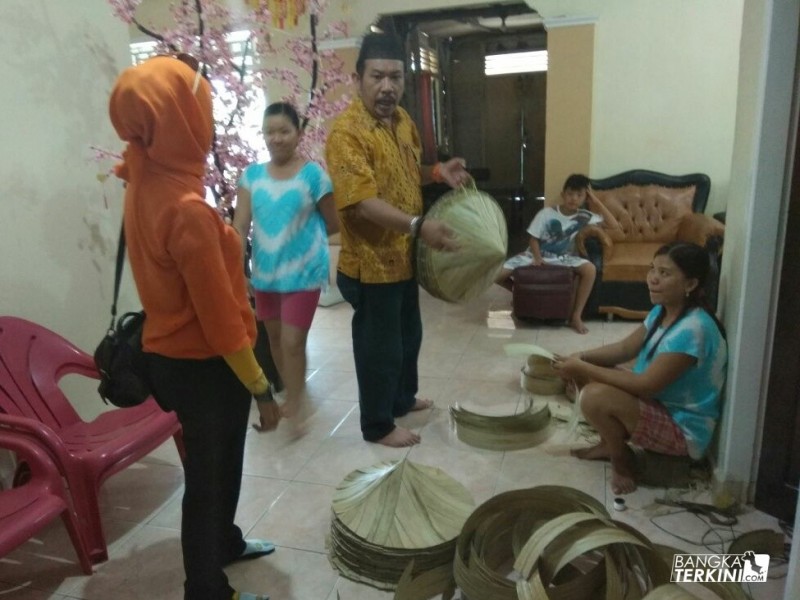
201,27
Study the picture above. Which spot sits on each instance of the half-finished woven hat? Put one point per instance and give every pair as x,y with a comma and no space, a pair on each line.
480,228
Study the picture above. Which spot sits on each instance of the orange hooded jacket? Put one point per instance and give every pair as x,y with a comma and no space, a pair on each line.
186,262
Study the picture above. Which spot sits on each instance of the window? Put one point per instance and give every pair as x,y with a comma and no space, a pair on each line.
428,61
515,62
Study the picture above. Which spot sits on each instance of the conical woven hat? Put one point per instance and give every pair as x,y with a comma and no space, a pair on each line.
480,228
401,504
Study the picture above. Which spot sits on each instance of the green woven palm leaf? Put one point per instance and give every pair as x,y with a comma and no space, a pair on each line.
490,537
426,585
537,375
480,229
401,504
510,432
396,523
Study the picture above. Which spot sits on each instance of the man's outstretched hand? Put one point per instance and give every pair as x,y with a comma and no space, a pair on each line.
454,172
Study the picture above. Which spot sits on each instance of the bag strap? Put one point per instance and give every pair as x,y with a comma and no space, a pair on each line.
118,273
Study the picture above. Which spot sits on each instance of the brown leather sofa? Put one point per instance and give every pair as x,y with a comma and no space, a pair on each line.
652,209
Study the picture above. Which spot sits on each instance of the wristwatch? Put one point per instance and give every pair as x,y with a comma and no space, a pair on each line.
265,396
415,225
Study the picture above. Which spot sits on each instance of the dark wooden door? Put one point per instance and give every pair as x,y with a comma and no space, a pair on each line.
779,465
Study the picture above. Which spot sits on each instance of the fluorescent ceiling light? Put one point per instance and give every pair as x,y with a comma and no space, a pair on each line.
516,62
523,20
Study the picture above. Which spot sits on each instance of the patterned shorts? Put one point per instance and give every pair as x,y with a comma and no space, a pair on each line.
525,258
656,431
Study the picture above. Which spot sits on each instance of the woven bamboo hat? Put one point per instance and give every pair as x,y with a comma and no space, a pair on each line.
480,228
392,513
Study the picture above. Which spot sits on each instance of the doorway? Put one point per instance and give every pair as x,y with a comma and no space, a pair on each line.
476,88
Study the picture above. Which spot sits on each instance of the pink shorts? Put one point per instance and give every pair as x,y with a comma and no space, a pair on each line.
656,431
292,308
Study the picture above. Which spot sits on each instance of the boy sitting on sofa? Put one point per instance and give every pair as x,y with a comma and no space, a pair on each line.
553,232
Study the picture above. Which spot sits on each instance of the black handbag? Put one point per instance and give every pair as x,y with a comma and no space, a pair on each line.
119,356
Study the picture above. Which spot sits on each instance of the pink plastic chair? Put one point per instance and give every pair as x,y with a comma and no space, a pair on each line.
32,361
27,509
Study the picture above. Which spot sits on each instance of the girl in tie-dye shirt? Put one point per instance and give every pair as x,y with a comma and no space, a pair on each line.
290,204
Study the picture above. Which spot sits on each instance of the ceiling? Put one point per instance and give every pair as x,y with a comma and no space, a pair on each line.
468,25
489,18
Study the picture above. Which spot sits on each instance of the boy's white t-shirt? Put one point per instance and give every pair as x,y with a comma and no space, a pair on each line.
556,233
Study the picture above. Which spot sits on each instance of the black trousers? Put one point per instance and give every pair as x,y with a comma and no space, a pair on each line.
212,406
387,336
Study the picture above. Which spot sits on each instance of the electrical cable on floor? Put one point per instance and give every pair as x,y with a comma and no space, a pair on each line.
787,528
710,529
724,541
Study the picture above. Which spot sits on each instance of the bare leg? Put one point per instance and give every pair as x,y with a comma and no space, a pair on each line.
400,437
293,357
586,275
614,414
622,473
503,280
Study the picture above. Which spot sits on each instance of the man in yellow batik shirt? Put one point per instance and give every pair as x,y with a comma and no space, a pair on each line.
373,155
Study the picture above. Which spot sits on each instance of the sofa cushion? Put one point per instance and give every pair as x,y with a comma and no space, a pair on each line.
647,213
629,262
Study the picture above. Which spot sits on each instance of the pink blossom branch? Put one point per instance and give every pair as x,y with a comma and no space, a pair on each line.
200,27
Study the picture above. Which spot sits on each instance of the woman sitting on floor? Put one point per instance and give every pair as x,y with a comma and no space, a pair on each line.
670,402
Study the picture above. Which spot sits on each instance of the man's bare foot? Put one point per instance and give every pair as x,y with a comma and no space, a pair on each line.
622,473
400,437
421,404
577,324
597,452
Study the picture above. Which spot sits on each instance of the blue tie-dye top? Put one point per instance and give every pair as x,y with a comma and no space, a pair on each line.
693,400
290,243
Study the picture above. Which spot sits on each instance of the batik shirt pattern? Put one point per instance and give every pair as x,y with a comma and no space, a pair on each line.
370,159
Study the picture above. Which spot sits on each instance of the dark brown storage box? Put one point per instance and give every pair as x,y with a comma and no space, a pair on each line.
543,292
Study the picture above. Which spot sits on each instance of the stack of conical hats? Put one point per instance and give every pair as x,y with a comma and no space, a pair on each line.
392,513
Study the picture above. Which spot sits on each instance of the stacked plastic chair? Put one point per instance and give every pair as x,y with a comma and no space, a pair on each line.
27,509
32,361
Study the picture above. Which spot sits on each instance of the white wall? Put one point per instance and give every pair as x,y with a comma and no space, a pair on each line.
664,85
57,238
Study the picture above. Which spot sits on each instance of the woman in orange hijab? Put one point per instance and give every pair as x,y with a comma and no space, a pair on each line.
200,329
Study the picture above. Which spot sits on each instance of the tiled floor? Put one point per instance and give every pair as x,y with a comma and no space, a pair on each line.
288,485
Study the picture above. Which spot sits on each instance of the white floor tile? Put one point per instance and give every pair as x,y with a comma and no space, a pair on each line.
288,482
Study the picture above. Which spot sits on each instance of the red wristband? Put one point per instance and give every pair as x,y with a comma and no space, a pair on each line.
436,173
